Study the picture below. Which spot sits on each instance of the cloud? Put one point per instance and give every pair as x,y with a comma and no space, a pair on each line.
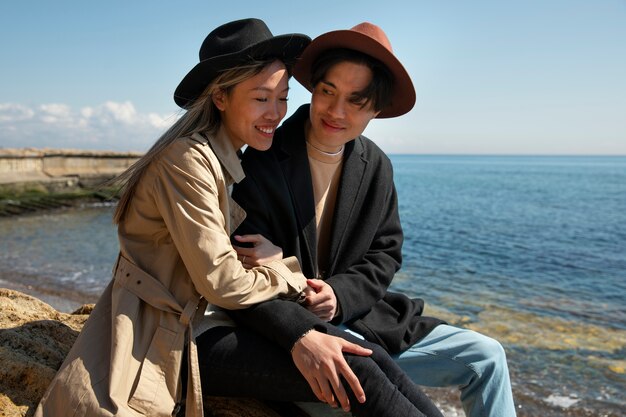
108,126
14,113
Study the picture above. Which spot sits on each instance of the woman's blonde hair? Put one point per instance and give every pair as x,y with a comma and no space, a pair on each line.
201,116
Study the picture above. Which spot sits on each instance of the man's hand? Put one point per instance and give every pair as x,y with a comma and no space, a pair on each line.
322,301
261,252
319,358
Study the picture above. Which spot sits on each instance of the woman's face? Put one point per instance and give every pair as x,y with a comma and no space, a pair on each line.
252,109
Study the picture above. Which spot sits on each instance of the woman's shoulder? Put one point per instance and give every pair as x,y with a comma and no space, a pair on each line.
192,149
185,156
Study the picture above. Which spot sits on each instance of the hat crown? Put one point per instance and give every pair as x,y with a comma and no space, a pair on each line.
233,37
233,44
374,32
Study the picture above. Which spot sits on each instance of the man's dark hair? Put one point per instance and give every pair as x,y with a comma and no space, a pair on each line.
379,90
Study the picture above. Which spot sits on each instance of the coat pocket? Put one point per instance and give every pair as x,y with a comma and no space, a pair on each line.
149,397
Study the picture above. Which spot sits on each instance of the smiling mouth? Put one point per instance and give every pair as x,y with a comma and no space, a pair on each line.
332,125
266,130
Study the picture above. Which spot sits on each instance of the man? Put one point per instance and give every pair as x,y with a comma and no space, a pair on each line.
325,194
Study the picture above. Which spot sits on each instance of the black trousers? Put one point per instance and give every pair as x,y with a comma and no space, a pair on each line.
237,362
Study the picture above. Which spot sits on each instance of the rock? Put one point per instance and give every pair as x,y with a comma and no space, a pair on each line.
34,340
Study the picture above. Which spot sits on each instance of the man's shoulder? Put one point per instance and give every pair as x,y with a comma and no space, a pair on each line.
254,160
371,151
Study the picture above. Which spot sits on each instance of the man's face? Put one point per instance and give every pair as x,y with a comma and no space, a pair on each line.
337,113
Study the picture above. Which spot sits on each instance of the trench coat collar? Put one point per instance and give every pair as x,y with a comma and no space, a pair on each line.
225,153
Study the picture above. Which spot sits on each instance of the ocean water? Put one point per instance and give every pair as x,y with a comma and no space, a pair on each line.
531,251
542,234
528,250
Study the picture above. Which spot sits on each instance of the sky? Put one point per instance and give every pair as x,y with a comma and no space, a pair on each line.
538,77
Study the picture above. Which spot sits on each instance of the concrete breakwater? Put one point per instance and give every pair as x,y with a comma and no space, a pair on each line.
39,179
57,169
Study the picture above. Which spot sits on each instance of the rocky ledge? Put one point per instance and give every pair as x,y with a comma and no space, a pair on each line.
34,340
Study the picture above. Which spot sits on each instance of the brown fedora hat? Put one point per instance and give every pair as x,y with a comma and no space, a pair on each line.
233,44
369,39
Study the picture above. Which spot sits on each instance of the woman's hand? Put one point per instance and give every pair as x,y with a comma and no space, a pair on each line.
261,252
319,358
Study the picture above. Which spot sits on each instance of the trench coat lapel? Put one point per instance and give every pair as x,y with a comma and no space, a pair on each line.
354,166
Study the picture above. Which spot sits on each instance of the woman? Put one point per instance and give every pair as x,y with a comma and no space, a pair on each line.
174,219
177,268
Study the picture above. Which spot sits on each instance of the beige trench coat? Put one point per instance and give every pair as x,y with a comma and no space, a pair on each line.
175,254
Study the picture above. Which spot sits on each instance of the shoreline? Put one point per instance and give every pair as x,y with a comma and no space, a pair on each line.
62,302
33,198
447,398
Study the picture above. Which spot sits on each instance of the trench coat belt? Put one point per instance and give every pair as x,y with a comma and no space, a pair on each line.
153,292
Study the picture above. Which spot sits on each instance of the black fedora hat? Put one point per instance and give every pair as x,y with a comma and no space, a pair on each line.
233,44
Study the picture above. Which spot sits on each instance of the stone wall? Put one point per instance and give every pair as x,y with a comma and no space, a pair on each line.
67,166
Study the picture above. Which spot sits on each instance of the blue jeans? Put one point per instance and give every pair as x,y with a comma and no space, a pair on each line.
475,363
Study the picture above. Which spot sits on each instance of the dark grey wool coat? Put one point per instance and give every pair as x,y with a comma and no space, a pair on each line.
365,244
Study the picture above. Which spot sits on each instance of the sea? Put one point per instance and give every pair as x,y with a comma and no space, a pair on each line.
530,250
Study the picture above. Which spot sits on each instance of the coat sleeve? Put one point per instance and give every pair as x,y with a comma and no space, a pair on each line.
281,321
187,193
366,273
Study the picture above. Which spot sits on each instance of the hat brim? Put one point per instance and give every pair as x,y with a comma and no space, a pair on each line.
403,93
284,47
